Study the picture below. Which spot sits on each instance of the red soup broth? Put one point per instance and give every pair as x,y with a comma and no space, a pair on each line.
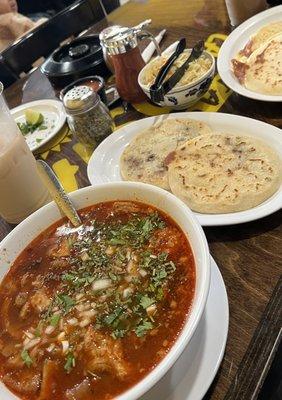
87,312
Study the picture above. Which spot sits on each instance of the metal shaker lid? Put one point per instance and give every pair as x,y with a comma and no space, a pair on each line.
117,39
109,31
80,99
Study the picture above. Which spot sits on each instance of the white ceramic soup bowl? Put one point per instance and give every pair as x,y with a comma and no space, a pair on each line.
181,97
30,228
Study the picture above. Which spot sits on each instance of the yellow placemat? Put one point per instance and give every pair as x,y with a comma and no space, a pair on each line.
213,100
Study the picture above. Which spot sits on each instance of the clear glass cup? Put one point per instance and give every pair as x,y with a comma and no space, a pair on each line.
21,189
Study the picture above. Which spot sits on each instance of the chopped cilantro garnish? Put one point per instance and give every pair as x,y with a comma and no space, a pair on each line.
54,320
70,362
42,128
116,241
110,319
65,301
37,332
146,301
118,333
136,231
113,277
26,358
160,294
143,328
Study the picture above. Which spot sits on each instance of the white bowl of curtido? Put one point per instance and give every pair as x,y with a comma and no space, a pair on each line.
192,86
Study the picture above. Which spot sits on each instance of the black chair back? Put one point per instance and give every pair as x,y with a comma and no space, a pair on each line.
110,5
7,77
41,41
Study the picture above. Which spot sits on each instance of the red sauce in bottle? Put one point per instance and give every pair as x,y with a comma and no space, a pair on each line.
127,67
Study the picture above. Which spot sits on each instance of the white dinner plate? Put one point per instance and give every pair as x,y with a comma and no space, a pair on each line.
104,163
194,371
236,42
54,119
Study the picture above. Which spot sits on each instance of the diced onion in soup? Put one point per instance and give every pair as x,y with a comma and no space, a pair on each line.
50,329
65,345
72,321
85,256
84,322
32,343
51,348
29,335
151,310
127,292
101,284
61,336
89,313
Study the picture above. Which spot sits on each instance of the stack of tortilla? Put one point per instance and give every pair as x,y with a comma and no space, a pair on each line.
211,172
259,65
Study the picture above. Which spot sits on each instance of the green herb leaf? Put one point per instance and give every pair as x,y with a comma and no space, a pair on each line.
66,301
117,241
42,128
54,320
26,358
118,333
160,294
111,318
143,328
37,332
113,277
70,363
146,302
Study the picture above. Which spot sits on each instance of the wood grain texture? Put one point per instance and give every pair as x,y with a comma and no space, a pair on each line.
249,255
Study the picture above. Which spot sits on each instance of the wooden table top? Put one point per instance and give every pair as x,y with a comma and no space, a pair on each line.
249,255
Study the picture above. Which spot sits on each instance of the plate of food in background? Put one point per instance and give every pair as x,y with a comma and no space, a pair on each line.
250,59
226,168
39,121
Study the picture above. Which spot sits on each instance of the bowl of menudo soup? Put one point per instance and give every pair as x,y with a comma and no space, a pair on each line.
101,311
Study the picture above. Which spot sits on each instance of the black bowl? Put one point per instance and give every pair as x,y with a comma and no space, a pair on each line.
77,59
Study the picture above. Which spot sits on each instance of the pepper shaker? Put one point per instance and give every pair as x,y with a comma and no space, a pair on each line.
88,118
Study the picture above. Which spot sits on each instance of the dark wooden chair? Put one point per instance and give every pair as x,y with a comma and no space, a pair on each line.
110,5
7,77
41,41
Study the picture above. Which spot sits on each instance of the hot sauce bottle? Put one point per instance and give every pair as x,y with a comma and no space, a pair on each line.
122,48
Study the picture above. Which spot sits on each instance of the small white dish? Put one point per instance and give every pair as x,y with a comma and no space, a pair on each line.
32,226
54,119
181,97
235,42
194,371
104,163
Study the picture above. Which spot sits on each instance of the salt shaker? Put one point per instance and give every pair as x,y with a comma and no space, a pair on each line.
88,118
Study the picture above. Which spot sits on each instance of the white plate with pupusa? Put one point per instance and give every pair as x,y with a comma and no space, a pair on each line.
236,41
54,119
104,165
